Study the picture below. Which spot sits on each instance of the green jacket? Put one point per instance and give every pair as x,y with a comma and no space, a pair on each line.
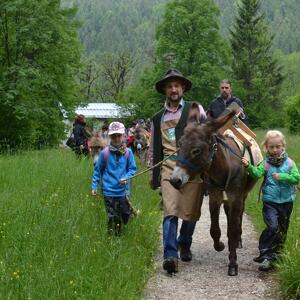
281,190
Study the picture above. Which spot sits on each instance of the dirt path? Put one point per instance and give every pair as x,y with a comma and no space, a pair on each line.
205,277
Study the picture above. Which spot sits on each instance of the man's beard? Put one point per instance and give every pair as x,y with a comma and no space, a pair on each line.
225,96
174,98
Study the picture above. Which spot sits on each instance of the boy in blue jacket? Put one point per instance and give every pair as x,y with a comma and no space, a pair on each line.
114,168
278,194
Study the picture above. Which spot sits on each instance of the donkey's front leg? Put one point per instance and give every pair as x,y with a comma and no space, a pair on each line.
233,213
215,200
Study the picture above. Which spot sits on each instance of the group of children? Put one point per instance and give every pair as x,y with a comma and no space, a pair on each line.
116,165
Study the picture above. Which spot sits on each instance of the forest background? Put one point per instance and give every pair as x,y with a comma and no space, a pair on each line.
56,55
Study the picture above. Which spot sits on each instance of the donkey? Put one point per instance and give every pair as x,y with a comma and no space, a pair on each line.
203,150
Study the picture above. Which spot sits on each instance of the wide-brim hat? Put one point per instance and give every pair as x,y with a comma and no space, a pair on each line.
172,74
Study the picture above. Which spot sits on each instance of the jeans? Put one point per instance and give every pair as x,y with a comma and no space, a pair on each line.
170,241
276,217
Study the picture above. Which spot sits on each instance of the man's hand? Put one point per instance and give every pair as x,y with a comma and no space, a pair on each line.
94,193
275,176
245,162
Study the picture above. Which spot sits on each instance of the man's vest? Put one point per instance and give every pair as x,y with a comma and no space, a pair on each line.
157,142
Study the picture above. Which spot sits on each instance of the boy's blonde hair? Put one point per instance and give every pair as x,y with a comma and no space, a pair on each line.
273,134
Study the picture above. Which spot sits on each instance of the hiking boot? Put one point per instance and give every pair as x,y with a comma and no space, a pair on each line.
266,265
259,259
171,265
185,253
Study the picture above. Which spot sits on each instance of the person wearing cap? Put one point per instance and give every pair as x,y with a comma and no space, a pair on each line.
114,168
225,101
167,128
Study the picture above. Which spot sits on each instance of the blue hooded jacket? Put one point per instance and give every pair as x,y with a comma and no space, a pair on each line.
111,171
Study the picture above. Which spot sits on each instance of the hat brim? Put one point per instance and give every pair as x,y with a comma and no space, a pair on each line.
160,85
116,131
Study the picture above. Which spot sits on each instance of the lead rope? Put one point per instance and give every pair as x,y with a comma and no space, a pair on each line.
156,165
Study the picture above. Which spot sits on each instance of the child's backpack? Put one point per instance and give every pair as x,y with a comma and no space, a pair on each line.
105,157
268,166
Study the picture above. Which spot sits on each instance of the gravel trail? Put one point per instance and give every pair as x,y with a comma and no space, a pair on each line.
205,277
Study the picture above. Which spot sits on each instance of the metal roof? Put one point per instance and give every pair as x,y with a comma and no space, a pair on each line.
99,110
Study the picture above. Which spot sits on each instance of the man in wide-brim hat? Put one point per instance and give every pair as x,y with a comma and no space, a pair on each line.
176,75
167,128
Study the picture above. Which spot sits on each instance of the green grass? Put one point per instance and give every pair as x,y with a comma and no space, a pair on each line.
53,242
288,269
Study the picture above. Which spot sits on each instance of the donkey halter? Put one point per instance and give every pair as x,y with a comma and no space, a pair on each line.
212,150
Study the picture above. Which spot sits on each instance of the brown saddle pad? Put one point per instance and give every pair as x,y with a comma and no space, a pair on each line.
254,148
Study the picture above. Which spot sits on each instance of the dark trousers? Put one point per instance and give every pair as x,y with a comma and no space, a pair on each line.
170,240
277,218
118,211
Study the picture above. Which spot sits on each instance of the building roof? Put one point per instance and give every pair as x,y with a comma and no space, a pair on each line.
100,110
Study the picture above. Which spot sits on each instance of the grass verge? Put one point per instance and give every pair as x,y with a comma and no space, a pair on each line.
53,242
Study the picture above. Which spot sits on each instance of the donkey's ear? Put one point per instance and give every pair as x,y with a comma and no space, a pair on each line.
216,124
194,113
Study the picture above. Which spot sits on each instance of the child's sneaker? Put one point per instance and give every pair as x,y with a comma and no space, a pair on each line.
266,265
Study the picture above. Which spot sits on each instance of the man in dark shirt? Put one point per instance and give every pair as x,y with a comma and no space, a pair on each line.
225,99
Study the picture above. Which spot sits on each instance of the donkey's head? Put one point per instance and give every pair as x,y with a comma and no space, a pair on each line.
197,148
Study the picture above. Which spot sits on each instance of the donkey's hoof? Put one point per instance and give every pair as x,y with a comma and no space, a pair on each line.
219,246
232,270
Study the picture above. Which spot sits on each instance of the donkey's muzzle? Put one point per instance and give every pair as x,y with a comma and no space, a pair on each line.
176,183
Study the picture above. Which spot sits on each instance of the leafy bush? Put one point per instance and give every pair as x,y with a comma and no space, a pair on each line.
293,114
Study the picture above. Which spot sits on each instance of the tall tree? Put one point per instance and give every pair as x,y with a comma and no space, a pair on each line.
188,38
116,70
89,74
283,18
39,56
254,64
105,78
